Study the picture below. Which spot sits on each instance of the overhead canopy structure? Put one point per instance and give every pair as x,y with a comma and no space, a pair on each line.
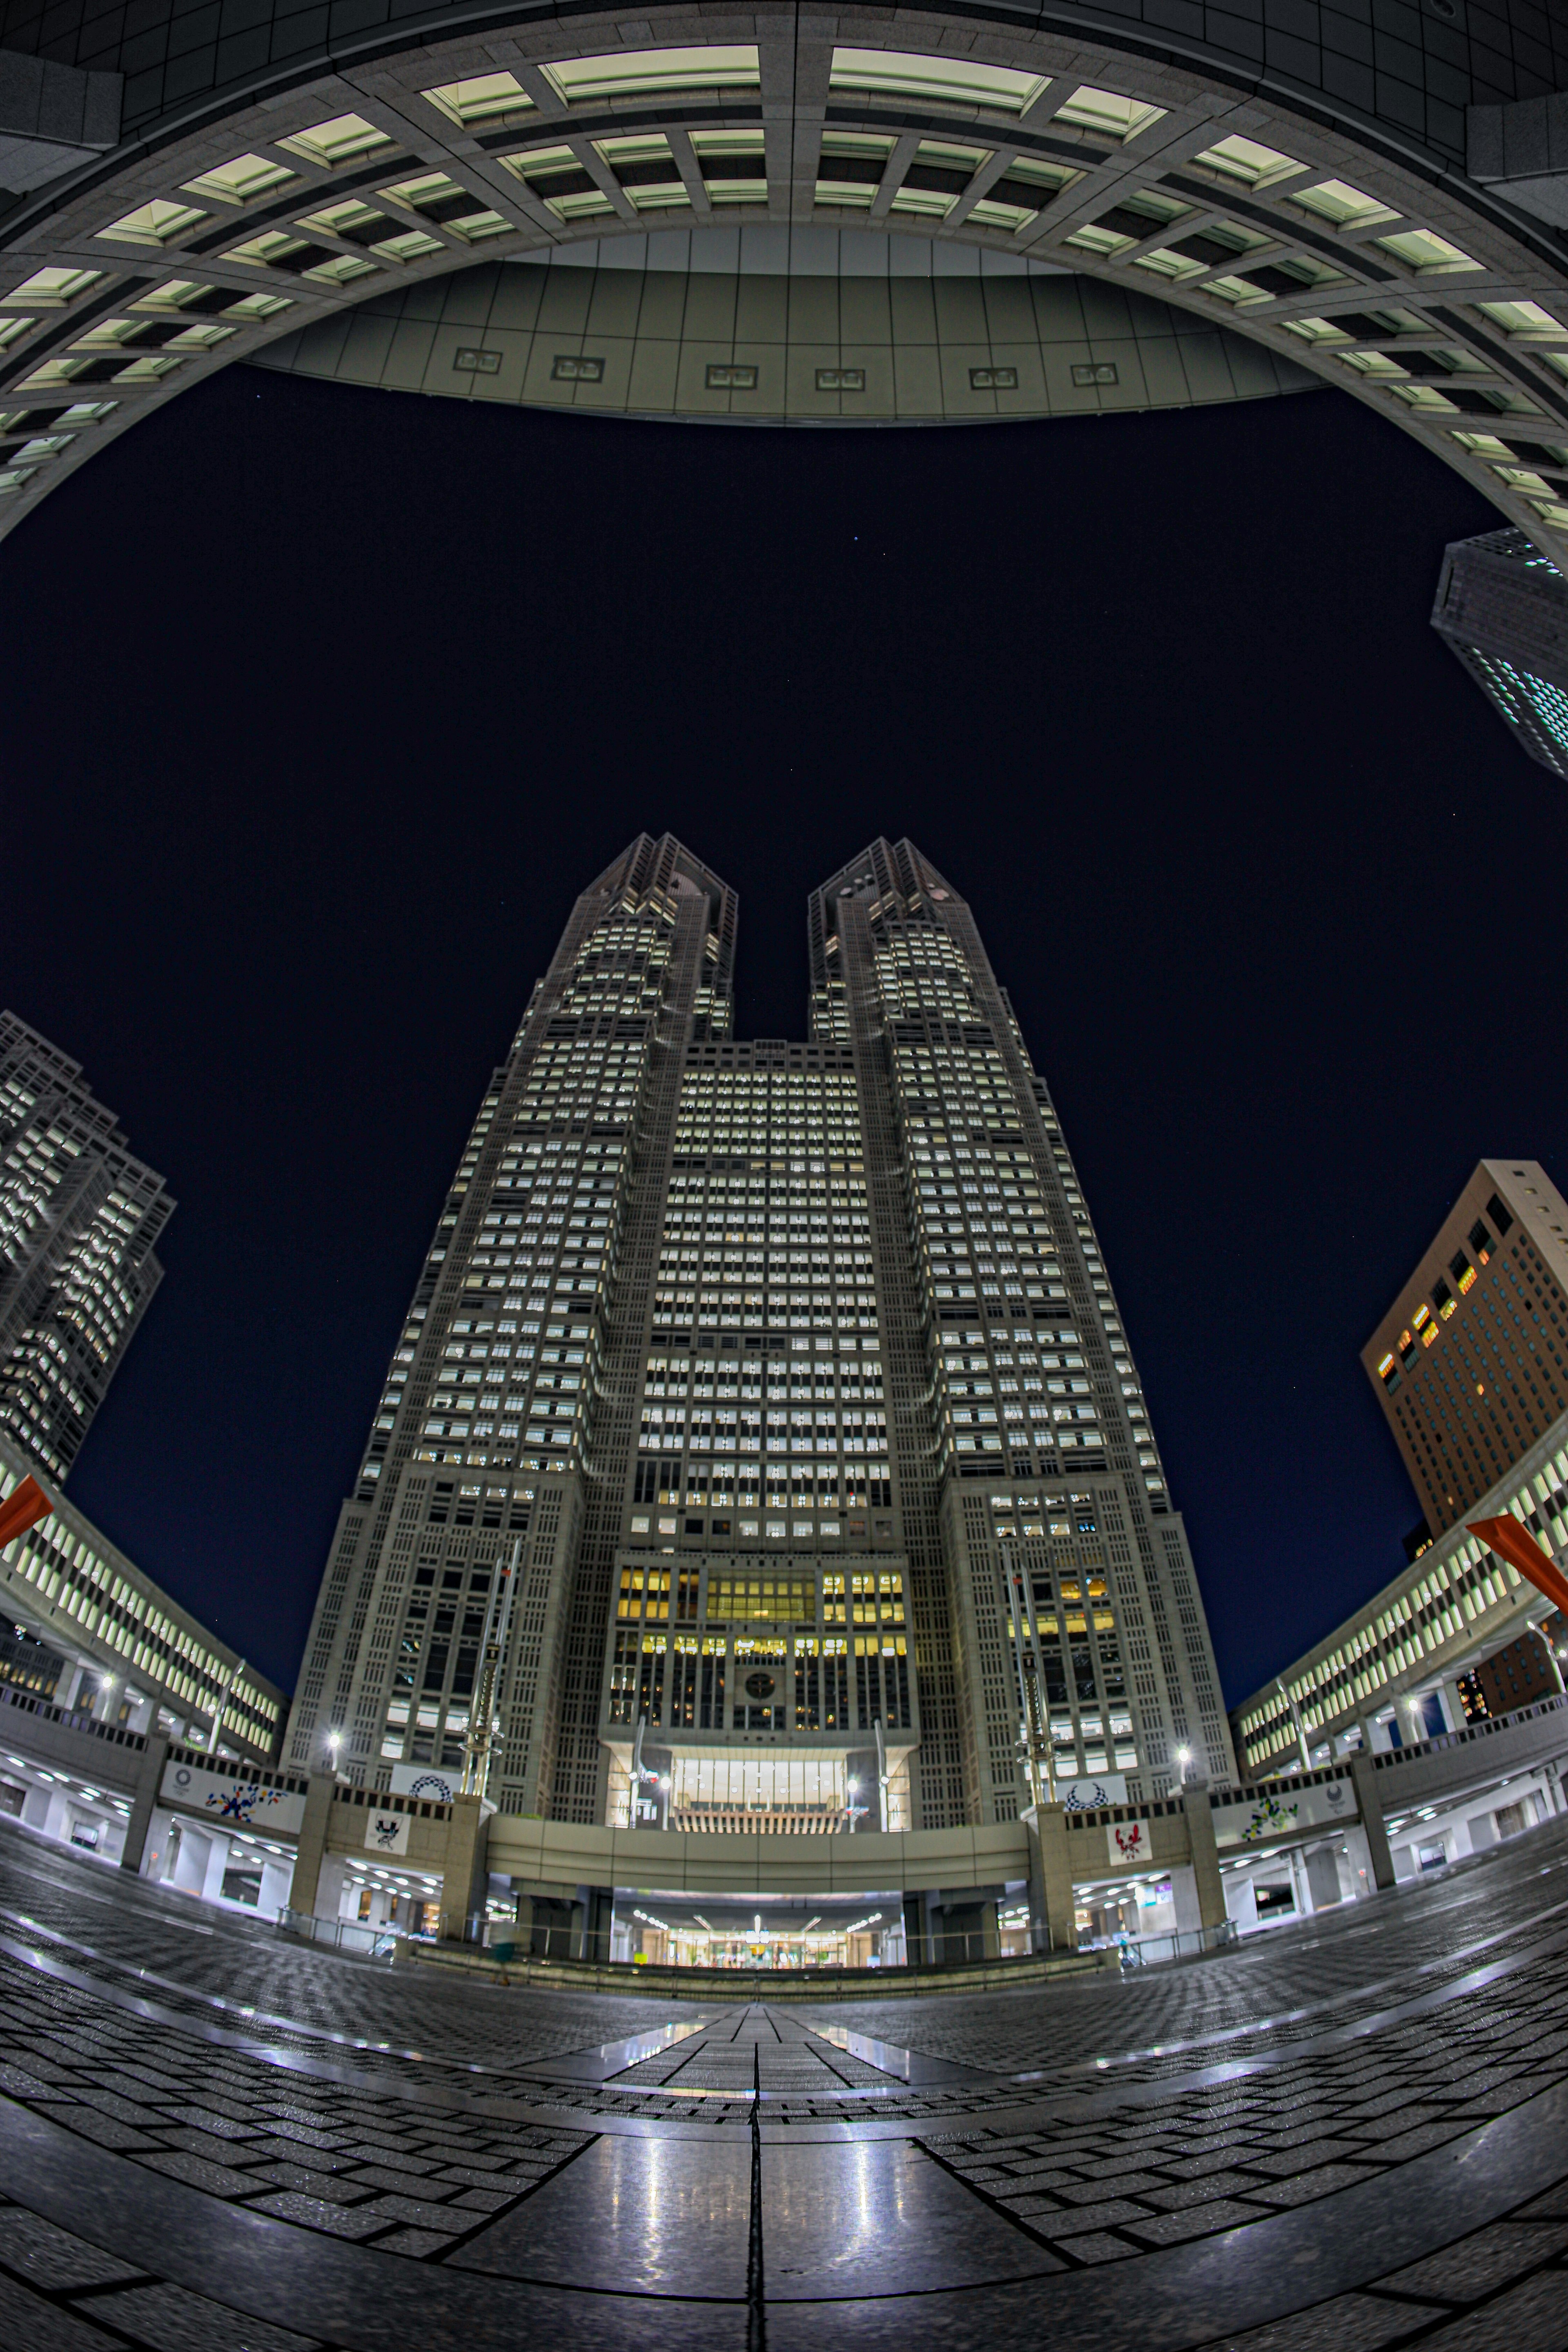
1321,193
770,325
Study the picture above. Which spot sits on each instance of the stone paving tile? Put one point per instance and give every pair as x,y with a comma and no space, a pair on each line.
419,2244
1350,2323
1197,2222
173,2320
51,2257
31,2325
1527,2318
315,2213
417,2211
1303,2187
198,2172
1479,2264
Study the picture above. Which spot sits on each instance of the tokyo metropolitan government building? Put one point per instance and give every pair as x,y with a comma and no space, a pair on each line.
792,1377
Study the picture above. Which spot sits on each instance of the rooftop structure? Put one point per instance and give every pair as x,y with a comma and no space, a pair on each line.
1471,1363
1413,1641
1502,608
79,1216
791,1378
99,1632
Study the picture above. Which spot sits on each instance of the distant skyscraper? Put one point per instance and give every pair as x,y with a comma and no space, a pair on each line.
1503,608
795,1374
1471,1360
79,1216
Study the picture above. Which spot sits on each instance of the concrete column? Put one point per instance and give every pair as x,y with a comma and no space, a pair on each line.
1210,1886
1363,1780
1052,1928
306,1882
464,1874
149,1778
70,1683
217,1862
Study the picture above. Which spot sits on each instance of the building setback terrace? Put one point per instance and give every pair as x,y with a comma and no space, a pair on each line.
211,2133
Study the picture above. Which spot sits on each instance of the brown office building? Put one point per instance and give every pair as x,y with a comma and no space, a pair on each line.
1471,1360
1523,1670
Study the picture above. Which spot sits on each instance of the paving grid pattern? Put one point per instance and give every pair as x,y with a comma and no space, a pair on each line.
1237,2106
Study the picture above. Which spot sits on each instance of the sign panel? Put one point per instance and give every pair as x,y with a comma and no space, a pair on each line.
1128,1840
386,1832
1281,1809
248,1804
421,1781
1087,1795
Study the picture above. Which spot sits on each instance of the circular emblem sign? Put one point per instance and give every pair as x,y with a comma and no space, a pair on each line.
759,1685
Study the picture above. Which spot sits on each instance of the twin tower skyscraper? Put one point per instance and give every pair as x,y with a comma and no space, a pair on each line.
792,1377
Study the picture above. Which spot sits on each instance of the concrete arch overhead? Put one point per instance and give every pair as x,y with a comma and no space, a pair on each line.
257,188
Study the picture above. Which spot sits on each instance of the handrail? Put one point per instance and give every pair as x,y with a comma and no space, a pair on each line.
117,1734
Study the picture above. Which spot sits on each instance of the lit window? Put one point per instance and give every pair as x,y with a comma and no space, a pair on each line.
275,245
158,223
1525,322
239,182
1428,254
12,329
849,170
486,99
960,81
731,164
654,73
441,200
340,270
50,289
645,168
938,177
1317,331
556,175
1336,201
1112,116
358,224
1245,160
1023,190
1174,266
340,141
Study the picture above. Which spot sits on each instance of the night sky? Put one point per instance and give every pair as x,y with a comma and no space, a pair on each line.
322,704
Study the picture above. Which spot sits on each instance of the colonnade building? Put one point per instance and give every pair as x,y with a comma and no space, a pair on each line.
791,1378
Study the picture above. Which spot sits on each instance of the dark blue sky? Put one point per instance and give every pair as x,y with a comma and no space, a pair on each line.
322,704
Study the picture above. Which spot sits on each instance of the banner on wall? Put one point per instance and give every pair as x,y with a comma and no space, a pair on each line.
1313,1807
1088,1795
249,1804
386,1832
1128,1840
421,1781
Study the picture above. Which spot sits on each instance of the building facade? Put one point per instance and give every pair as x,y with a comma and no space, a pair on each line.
1503,609
78,1218
791,1378
1471,1363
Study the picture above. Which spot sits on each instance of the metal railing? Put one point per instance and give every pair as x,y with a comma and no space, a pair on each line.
341,1935
1185,1944
1486,1727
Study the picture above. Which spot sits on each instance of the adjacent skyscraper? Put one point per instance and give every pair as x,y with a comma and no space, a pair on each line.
1471,1362
1502,606
79,1216
793,1379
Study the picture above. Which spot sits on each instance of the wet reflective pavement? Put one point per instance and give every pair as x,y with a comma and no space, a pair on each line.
1348,2135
